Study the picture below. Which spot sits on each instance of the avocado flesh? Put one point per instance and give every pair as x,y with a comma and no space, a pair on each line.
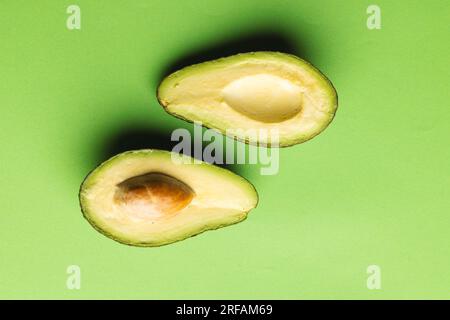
271,91
144,198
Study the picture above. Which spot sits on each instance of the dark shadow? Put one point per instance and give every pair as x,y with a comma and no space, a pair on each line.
136,137
261,40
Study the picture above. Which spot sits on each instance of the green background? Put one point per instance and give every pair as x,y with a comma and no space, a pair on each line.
373,188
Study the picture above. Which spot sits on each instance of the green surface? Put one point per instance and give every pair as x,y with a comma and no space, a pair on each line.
371,189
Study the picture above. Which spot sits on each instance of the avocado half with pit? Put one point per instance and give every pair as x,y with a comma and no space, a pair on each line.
155,197
258,91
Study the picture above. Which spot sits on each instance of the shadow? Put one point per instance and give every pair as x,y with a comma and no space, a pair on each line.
261,40
136,137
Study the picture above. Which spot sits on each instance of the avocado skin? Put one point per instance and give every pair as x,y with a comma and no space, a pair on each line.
87,215
240,57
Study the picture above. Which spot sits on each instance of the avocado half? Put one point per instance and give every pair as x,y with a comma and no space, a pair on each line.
154,197
256,91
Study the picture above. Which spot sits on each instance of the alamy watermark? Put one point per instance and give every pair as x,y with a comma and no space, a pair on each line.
73,21
223,150
374,279
73,281
374,18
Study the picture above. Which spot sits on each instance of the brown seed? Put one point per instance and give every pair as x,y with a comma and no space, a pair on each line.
154,193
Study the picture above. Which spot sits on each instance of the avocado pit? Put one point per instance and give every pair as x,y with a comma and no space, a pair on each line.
153,194
264,97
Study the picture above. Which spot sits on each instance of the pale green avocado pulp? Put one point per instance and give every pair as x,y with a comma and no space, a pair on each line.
155,197
239,95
